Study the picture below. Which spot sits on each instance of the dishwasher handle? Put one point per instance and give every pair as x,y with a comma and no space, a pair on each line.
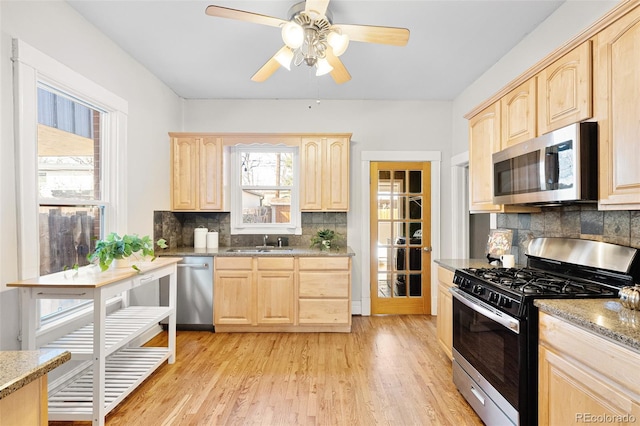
193,265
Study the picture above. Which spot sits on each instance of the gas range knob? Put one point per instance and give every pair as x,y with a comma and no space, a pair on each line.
505,302
478,289
494,297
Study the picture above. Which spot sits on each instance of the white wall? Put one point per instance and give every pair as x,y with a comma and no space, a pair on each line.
55,29
572,18
375,125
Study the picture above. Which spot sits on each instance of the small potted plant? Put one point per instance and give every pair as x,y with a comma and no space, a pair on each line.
115,247
324,238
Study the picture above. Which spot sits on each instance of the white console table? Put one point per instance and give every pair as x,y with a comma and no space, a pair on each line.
115,366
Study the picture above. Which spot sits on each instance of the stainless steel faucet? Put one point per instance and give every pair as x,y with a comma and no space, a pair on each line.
264,240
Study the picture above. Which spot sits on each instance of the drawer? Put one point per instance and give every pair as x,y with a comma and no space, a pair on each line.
324,311
445,276
234,263
324,263
324,284
275,263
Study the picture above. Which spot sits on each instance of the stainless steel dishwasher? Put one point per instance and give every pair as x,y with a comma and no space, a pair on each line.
194,307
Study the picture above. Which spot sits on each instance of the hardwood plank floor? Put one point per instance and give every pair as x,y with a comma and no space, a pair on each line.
388,371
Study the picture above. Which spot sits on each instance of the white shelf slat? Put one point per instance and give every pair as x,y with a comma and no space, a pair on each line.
121,328
124,371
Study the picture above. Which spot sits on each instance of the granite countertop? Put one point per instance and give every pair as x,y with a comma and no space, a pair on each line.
605,317
453,264
19,368
253,251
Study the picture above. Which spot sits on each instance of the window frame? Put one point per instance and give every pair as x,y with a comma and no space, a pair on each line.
237,226
30,69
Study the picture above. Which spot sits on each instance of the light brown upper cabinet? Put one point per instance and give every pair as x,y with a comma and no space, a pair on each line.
324,173
196,178
617,109
484,140
518,114
564,90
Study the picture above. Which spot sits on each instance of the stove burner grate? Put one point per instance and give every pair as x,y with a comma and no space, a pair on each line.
535,282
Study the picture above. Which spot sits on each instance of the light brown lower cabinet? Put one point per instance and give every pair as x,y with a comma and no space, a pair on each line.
233,292
585,378
265,293
325,292
444,324
27,405
276,290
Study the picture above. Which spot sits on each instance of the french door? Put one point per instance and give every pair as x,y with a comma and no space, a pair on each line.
400,241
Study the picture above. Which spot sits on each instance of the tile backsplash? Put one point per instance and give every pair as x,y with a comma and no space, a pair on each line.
177,228
576,221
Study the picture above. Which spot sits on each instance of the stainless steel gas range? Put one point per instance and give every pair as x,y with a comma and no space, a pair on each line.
495,325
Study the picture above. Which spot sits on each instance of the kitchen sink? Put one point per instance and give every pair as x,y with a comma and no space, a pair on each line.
259,250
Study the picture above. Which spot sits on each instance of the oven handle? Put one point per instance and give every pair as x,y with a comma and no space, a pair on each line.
508,322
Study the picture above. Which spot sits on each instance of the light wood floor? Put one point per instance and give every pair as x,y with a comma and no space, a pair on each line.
388,371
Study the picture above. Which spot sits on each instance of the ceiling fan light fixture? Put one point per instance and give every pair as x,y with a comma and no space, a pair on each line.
338,42
323,67
292,34
284,57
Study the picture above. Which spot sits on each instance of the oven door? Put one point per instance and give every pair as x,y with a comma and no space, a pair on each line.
489,347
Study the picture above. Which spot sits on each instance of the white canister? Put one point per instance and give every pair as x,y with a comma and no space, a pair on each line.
200,237
212,240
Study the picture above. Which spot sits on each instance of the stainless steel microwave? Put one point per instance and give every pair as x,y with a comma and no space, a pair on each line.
560,166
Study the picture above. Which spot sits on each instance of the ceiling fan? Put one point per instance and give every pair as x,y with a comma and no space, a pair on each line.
311,37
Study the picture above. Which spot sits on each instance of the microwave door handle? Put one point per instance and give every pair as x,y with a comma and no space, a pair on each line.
551,168
509,323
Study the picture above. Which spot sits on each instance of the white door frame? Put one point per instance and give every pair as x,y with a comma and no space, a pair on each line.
435,157
460,206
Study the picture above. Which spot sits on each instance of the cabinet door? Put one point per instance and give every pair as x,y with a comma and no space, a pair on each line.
518,109
617,109
311,174
335,186
564,90
484,140
233,297
210,173
184,176
275,297
445,311
324,174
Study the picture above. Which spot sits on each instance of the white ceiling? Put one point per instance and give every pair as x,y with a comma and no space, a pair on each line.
452,43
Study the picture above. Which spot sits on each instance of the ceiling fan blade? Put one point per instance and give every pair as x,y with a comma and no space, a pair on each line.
241,15
318,7
339,73
373,34
268,68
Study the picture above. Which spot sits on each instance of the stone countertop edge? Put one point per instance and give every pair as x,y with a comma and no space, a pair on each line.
453,264
19,368
604,317
277,251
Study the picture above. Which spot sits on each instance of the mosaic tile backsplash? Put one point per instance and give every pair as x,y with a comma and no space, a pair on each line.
577,221
177,228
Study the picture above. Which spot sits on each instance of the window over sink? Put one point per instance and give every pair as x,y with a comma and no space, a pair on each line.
264,189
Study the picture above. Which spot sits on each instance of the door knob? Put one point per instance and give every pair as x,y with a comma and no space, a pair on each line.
426,248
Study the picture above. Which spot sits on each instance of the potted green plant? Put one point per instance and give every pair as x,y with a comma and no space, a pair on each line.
114,247
324,238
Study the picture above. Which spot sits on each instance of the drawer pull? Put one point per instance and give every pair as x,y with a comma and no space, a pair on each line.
475,392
